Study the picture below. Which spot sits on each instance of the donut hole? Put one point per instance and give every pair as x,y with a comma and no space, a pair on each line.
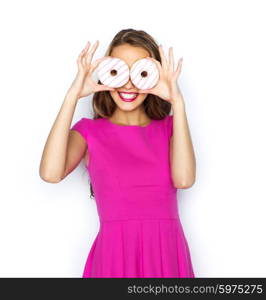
113,72
144,74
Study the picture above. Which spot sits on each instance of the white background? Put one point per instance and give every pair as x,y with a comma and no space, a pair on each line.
47,229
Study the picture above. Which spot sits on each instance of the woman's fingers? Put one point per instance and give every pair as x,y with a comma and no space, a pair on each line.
102,87
86,48
79,59
85,57
147,91
171,59
179,67
91,52
82,53
163,58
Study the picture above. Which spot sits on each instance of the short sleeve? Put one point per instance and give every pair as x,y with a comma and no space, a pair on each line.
82,127
169,125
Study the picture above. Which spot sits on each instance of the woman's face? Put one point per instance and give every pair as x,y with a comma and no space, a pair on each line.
129,54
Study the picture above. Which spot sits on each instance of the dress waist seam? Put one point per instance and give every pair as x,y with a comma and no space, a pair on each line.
137,219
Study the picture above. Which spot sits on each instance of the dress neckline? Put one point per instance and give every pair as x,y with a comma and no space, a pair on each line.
127,126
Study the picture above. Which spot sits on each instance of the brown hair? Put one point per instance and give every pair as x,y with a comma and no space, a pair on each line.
102,102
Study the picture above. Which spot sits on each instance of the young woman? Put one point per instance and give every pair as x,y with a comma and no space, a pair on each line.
137,155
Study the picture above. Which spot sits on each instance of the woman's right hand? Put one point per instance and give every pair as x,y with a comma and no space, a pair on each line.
83,84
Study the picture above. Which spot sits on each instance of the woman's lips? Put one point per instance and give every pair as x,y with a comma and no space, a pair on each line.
127,97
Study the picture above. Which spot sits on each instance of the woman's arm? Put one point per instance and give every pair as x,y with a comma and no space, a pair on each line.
182,157
63,146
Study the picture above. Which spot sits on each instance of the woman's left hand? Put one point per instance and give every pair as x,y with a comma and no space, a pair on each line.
167,87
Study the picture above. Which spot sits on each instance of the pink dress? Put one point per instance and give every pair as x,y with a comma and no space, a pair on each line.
140,233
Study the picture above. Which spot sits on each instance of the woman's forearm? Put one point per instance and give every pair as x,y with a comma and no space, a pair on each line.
183,162
54,154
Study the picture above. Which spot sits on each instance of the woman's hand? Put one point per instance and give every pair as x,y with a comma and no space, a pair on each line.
167,87
83,84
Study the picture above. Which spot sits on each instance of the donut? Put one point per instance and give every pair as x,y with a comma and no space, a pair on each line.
144,74
113,72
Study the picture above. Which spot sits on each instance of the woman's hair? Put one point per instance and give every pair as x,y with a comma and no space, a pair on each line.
103,104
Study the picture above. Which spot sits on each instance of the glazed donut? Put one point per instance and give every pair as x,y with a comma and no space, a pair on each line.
113,72
144,74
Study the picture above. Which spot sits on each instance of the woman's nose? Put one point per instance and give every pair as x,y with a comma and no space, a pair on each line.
129,84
